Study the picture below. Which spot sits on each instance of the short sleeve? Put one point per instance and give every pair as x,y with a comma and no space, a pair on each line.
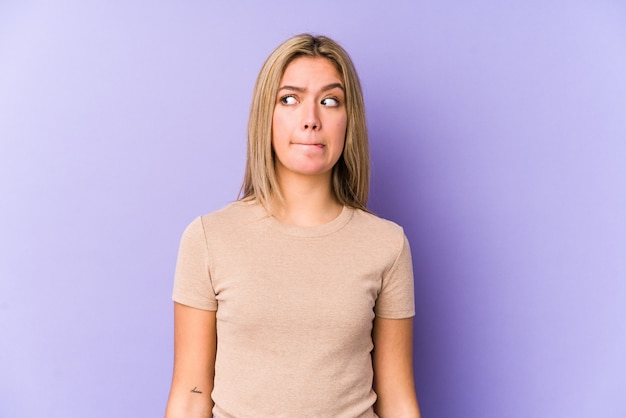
396,299
192,281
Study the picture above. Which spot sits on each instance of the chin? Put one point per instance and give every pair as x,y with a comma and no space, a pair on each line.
309,171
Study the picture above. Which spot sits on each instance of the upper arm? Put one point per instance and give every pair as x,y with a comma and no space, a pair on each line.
195,345
393,368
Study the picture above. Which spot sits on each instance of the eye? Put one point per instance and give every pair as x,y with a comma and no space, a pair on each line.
288,100
330,102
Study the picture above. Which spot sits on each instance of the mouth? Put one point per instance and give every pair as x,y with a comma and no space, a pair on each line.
317,145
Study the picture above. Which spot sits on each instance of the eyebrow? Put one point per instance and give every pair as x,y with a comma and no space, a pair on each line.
302,89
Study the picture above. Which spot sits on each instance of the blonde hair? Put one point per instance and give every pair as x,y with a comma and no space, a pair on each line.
350,175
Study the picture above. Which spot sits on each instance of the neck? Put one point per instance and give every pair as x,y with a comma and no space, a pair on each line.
307,201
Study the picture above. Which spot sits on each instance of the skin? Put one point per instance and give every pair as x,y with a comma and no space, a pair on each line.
309,120
195,345
309,126
392,360
308,135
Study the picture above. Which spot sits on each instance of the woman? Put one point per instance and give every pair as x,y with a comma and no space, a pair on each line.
295,301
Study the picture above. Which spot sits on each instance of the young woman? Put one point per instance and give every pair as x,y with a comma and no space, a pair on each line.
295,301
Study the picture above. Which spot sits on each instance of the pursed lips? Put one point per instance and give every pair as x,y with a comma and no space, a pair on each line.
306,144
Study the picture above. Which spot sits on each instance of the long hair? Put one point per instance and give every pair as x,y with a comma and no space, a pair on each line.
350,175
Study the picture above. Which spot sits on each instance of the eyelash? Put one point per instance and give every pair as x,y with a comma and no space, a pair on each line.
283,100
333,98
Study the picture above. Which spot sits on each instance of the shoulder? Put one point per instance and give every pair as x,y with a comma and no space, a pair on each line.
238,212
373,234
377,226
227,220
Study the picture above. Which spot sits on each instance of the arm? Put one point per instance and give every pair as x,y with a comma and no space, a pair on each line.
195,344
393,368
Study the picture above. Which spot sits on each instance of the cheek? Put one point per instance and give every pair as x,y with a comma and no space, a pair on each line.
341,128
274,123
340,131
280,126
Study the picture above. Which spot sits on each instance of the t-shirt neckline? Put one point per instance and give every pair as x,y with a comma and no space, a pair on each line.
313,231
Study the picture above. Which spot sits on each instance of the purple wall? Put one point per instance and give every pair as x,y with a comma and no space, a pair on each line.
499,142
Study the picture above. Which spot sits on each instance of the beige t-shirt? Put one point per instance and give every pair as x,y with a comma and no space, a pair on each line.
294,306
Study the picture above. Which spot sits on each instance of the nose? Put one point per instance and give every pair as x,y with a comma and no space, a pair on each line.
310,117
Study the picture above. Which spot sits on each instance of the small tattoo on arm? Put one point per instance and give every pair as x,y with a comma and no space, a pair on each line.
195,390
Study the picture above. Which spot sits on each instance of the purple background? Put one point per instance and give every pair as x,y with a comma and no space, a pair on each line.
499,143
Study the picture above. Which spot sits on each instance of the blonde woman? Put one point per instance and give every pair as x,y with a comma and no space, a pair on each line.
295,301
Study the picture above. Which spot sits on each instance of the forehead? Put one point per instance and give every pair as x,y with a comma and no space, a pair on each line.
306,69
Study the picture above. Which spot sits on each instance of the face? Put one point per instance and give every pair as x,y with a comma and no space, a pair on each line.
309,121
